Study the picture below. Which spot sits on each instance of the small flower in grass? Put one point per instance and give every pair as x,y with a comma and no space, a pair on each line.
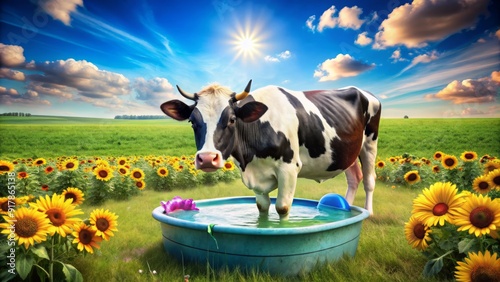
438,155
468,156
6,167
123,170
449,162
491,166
22,175
141,185
49,169
85,238
417,234
478,267
162,171
30,226
380,164
481,184
69,164
75,194
412,177
39,162
436,169
45,187
122,161
137,174
103,173
59,211
437,204
228,166
104,223
494,179
479,214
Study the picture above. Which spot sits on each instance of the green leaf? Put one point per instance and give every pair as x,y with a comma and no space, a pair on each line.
40,252
24,263
71,273
465,245
433,266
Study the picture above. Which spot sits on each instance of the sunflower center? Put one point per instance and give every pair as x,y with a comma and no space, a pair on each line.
483,274
163,171
122,162
469,156
85,236
39,162
440,209
438,155
449,162
102,224
481,217
56,216
5,206
496,180
419,231
70,165
137,174
412,177
123,171
483,185
4,168
138,184
70,196
23,174
26,227
103,173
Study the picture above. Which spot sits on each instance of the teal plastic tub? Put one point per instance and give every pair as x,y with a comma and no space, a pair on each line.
228,232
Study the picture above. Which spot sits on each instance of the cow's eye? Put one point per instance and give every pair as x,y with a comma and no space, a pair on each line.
232,119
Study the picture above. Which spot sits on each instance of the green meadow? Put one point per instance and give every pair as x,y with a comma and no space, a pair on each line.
383,253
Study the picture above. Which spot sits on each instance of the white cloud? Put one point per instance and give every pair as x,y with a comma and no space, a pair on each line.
349,17
271,59
60,9
339,67
421,59
285,55
327,19
8,91
11,55
154,91
409,24
482,90
396,56
363,39
11,74
309,23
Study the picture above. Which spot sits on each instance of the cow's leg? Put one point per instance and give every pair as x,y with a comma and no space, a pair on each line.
287,181
353,175
263,203
368,155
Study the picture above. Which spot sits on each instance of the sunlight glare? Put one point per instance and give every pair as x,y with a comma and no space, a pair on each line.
247,42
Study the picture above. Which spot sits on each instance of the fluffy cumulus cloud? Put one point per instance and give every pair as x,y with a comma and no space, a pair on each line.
11,55
341,66
11,74
363,39
414,24
348,17
60,9
482,90
9,96
81,77
153,91
396,56
285,55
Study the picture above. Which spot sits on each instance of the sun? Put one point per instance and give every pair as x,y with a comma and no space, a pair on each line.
247,45
247,42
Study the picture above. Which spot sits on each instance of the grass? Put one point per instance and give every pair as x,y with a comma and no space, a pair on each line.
30,137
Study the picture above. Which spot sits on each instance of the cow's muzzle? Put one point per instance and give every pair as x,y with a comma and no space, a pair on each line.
208,161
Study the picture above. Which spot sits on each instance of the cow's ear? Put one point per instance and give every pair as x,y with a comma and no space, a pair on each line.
251,111
177,109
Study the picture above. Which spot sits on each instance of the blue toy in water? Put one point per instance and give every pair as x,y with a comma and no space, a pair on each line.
335,201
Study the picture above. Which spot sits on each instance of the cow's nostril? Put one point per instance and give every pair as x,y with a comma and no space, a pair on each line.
216,157
199,159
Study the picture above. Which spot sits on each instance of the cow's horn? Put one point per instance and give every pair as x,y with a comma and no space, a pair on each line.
186,95
245,92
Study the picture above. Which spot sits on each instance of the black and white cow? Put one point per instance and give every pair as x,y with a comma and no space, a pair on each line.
276,135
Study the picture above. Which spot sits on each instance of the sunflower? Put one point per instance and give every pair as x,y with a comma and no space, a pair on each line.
438,155
45,187
85,238
48,169
380,164
449,162
417,234
478,267
101,162
229,166
103,173
121,161
59,211
30,226
141,185
436,169
437,204
137,174
162,171
6,167
4,205
75,194
39,162
479,214
69,164
494,179
22,175
104,223
412,177
123,170
481,184
468,156
491,166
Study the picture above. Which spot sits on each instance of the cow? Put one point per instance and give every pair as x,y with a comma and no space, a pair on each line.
276,135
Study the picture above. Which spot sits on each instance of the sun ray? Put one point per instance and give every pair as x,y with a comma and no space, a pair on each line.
247,42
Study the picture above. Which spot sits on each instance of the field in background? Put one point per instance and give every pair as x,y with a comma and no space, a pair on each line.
30,137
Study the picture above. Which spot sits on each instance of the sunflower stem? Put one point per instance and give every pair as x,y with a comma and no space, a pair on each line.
51,261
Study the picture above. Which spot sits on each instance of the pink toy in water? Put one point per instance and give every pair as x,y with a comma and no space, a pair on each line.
177,203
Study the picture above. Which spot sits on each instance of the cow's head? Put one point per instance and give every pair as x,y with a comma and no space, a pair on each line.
214,118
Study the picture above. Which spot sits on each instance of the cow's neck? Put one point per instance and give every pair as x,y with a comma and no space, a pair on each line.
246,135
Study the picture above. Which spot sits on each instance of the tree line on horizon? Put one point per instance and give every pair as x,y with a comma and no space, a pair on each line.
16,114
141,117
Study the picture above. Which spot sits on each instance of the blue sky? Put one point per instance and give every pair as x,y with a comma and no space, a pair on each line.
106,58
